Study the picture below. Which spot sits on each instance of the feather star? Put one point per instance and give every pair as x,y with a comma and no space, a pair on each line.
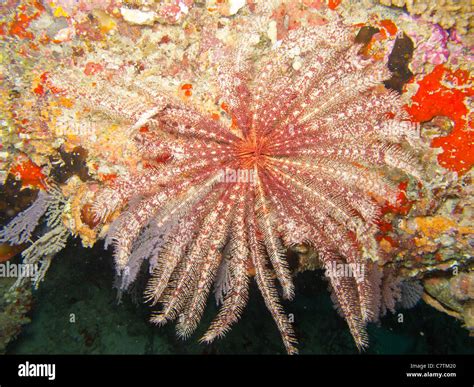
304,162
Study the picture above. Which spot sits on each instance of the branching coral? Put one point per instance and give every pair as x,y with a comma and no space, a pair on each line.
20,230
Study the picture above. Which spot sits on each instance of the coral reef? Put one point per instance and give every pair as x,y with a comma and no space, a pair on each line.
101,98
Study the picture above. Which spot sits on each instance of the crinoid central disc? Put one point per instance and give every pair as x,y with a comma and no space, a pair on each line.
252,153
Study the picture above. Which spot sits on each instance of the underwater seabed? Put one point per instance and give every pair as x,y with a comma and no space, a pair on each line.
79,285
